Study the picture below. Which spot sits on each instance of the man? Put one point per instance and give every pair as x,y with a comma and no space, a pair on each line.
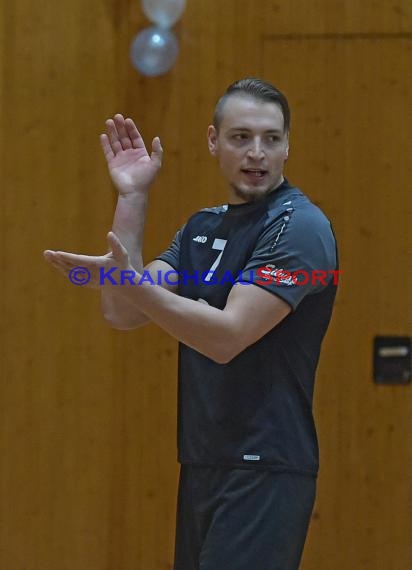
257,280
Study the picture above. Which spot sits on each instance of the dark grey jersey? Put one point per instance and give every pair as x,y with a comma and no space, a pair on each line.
256,411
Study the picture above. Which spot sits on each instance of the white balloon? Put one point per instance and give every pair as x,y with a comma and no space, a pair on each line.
164,13
154,51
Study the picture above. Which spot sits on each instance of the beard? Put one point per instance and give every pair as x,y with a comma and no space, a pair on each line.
253,194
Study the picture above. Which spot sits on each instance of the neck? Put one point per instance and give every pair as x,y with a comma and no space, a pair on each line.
238,196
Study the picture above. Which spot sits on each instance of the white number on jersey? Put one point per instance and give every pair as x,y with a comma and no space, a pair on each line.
218,244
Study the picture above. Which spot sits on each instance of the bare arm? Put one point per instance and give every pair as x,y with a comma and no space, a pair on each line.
120,312
132,171
250,311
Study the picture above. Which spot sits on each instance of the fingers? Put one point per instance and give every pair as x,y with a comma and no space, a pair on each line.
67,261
70,264
106,146
57,263
113,136
157,152
53,258
77,260
122,133
135,136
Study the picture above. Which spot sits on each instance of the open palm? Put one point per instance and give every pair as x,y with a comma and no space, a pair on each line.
130,165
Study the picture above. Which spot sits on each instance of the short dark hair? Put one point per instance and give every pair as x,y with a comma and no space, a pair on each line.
257,89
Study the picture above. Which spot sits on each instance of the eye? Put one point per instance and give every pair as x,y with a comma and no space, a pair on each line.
240,136
274,138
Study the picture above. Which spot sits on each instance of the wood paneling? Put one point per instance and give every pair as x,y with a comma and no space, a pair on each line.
87,415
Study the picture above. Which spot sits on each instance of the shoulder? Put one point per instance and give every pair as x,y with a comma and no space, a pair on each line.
208,212
293,200
297,228
207,217
296,211
222,209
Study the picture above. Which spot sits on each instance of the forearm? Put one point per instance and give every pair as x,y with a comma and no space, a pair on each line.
200,326
128,225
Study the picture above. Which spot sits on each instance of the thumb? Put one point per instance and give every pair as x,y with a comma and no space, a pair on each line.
157,152
119,251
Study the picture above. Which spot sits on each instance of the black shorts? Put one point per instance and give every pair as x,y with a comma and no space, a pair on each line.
241,519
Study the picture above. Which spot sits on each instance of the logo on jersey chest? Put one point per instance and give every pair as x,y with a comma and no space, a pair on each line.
200,239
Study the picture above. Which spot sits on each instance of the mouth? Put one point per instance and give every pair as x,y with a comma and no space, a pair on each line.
254,173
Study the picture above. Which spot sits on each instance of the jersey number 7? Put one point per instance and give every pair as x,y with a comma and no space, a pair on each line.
218,244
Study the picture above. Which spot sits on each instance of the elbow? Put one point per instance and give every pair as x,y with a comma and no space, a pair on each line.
222,359
123,317
225,352
116,325
122,324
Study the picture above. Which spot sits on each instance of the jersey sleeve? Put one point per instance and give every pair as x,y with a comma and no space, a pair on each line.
172,254
294,256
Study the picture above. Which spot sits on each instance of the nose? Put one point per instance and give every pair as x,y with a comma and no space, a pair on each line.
255,150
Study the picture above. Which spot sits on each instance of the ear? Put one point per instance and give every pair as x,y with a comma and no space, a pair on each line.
212,140
287,147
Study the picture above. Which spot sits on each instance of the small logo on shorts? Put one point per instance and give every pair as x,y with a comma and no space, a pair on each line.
251,457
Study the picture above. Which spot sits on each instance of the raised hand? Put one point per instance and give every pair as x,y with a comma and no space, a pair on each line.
130,166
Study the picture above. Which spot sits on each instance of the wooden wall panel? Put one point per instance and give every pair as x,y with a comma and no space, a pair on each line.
337,17
87,415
